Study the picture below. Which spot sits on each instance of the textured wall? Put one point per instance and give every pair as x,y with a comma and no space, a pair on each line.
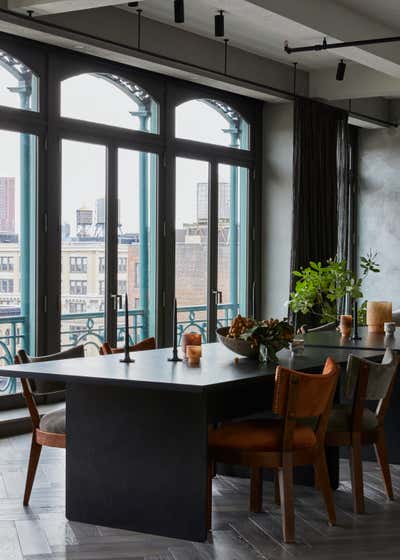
379,209
277,208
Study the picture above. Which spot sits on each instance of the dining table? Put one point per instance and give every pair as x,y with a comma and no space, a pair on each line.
136,454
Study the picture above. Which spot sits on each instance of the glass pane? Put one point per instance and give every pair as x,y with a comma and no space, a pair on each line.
17,248
108,99
137,184
191,248
232,243
207,120
83,245
18,84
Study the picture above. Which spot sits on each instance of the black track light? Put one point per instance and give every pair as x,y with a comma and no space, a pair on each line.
341,69
219,24
179,7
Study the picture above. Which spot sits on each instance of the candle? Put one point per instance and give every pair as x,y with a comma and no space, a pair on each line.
190,339
193,354
378,313
345,325
175,357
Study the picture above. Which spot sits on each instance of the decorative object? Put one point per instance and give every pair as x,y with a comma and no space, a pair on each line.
319,288
345,325
257,339
175,357
378,313
297,346
356,321
190,339
193,354
127,358
389,328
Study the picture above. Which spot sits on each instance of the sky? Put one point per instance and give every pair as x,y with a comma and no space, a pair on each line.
84,165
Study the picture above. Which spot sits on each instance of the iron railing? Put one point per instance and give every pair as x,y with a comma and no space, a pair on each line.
88,329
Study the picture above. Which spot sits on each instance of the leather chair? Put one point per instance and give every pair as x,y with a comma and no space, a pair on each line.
354,425
282,443
146,344
48,430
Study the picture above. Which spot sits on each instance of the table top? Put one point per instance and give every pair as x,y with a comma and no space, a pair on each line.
151,369
368,341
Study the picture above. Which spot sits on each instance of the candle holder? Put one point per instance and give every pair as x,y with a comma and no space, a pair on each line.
356,335
175,357
127,358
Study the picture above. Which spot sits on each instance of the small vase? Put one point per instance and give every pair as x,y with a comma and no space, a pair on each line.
266,355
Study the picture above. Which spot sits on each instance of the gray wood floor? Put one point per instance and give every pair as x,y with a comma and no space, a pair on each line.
41,531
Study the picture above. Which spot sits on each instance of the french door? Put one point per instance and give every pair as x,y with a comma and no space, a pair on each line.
211,244
108,242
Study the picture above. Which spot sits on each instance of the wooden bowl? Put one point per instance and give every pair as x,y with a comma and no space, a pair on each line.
237,345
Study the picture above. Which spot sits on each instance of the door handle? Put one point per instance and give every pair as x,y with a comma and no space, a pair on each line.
218,296
117,301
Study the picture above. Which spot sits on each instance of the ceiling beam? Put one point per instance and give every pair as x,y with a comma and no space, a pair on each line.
41,7
339,23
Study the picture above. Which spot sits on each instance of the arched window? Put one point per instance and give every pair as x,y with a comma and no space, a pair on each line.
109,99
211,121
19,86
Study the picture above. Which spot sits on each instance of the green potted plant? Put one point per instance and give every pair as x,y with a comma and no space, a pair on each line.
320,287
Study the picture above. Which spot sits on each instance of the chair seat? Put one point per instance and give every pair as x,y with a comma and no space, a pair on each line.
258,435
340,419
53,422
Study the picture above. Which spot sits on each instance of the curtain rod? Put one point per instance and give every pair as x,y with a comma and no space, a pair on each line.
267,88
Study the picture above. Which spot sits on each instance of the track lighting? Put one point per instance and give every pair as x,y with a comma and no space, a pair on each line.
219,24
179,7
341,69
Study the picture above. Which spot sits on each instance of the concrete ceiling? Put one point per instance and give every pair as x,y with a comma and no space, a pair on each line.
386,12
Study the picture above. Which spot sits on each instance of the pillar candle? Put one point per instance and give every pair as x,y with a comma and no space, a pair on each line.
190,339
378,313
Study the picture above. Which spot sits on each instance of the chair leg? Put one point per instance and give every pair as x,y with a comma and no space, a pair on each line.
32,467
256,490
287,499
277,495
382,458
357,474
324,485
210,474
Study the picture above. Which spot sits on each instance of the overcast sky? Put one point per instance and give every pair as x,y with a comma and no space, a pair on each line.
83,174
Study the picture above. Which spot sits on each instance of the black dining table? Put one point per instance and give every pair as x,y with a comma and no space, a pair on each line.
136,454
328,341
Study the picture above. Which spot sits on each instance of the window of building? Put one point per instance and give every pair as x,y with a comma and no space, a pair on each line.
211,121
101,287
122,264
88,97
102,264
122,286
6,285
78,264
6,263
19,86
77,307
78,287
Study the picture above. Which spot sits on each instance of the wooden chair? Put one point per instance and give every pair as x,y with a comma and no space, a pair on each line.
146,344
49,429
282,443
355,425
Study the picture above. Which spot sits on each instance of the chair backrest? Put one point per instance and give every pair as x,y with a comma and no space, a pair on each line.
305,395
146,344
370,381
36,387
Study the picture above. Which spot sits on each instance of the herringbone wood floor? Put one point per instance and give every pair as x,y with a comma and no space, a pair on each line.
41,531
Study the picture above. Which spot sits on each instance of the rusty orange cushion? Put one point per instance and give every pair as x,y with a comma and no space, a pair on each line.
259,435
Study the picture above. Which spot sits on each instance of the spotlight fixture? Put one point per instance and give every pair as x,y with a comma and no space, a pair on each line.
179,8
219,24
341,69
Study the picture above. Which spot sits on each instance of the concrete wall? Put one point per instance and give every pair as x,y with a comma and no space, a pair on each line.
277,208
379,210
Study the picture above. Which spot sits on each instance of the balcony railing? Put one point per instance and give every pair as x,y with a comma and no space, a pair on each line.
88,329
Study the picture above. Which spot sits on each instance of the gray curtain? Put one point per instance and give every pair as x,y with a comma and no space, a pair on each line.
320,163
